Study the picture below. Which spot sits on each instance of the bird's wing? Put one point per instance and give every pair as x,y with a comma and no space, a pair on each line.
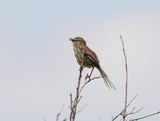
91,55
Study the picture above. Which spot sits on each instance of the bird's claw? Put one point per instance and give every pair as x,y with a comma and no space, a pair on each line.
87,77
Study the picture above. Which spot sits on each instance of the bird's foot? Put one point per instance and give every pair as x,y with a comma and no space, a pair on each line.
88,77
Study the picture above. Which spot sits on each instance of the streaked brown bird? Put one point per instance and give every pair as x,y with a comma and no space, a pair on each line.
87,58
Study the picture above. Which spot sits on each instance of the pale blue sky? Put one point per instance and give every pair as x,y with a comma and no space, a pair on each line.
38,69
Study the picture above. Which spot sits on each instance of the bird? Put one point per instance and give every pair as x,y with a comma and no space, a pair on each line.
87,58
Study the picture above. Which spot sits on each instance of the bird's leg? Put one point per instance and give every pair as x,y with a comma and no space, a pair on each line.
89,76
91,72
81,68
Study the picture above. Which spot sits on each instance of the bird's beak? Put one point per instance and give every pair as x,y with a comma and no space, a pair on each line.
71,39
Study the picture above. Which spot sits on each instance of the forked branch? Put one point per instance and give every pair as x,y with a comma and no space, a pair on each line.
75,101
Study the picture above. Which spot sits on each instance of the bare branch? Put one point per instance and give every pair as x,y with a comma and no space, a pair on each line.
136,119
74,102
134,112
123,112
126,84
71,100
86,82
114,118
131,101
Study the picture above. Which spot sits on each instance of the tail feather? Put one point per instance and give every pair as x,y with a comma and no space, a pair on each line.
106,79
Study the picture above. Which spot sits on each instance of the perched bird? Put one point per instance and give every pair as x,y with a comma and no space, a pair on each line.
87,58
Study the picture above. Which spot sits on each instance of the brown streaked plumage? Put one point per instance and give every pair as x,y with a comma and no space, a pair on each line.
87,58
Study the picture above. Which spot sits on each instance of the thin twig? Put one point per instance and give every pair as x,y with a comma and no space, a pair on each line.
126,84
114,118
86,82
71,101
145,116
74,103
123,112
131,101
134,112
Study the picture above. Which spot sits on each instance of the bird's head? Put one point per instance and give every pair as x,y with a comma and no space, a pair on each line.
78,41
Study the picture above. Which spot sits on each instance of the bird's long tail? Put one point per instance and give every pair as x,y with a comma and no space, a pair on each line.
106,79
